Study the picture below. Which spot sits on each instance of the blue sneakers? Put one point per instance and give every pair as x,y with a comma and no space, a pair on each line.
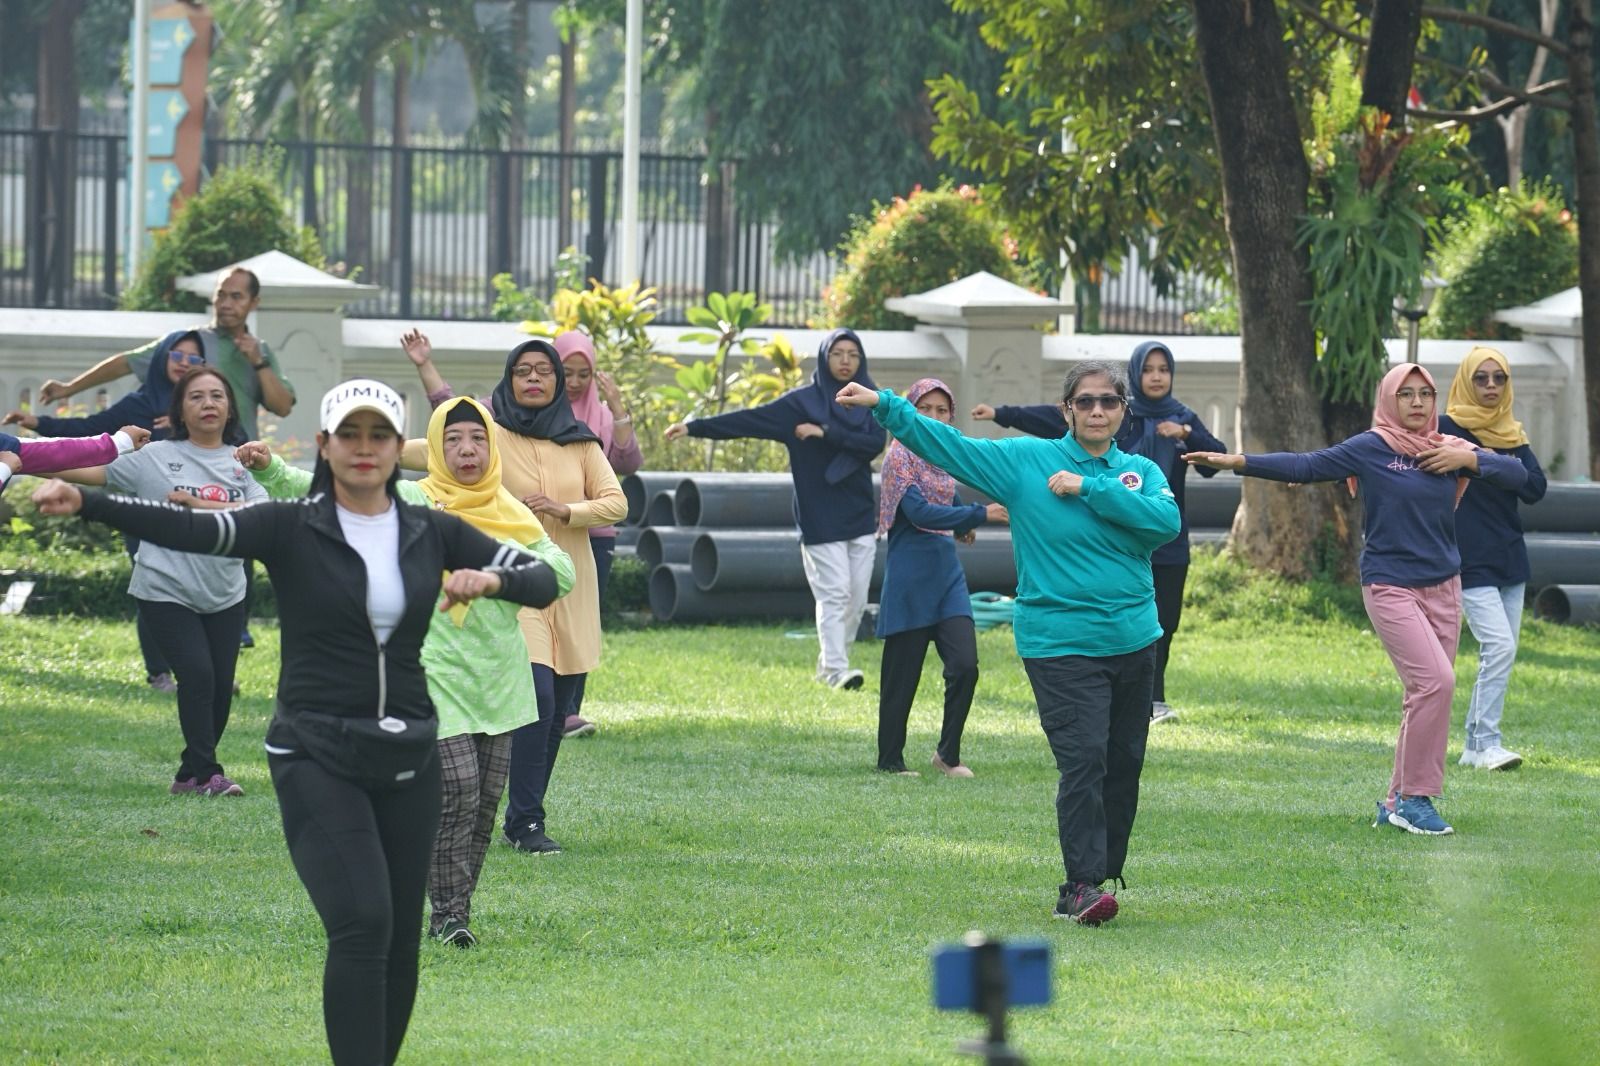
1383,815
1415,814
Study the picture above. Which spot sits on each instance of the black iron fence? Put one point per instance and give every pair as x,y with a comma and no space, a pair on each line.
433,225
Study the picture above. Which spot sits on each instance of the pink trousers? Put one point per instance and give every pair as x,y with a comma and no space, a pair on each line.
1419,629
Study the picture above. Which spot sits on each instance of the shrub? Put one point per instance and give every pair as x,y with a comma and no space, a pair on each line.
1509,248
914,244
90,584
628,588
236,214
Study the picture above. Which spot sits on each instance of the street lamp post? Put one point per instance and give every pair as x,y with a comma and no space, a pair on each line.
1414,313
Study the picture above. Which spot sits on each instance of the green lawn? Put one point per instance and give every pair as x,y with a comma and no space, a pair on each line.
739,887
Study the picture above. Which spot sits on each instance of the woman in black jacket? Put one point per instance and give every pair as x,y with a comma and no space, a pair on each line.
351,747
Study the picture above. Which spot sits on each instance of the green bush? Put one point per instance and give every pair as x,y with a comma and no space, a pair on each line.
1509,248
92,584
914,244
628,588
236,214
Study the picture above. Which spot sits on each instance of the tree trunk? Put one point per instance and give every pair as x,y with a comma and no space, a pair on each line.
1265,181
1386,82
1586,150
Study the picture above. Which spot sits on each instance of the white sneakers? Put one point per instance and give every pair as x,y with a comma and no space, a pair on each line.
848,680
1495,758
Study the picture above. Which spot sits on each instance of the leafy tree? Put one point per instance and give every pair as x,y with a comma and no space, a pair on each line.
1528,227
911,245
825,114
238,213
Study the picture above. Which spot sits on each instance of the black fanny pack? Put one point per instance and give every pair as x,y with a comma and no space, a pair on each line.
375,753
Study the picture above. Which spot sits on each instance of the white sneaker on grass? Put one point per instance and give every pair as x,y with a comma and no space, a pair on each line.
1161,711
1495,758
847,679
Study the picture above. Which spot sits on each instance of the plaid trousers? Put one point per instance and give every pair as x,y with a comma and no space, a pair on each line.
474,767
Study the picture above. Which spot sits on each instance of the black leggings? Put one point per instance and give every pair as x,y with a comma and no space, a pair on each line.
203,650
903,654
154,664
363,857
1169,611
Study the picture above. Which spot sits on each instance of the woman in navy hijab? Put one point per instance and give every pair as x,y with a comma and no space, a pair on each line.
831,448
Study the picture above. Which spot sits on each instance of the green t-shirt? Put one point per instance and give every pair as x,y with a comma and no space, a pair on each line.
1084,585
244,378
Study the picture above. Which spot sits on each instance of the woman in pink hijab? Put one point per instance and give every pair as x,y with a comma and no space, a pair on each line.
1410,478
597,403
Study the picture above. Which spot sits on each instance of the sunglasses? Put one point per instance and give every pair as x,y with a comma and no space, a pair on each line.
185,359
526,370
1085,404
1498,378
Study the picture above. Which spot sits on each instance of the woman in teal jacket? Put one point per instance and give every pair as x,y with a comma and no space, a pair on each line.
474,656
1085,517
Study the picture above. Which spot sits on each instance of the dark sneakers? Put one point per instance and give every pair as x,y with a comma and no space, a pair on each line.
455,933
530,838
1085,904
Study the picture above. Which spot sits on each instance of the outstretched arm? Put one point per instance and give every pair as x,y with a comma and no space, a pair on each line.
106,370
979,463
1035,419
249,532
769,421
419,350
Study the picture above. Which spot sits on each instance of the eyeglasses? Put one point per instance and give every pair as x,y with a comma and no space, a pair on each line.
1407,395
1498,378
185,359
524,370
1085,404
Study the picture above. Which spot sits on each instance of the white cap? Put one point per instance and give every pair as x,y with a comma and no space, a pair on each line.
362,394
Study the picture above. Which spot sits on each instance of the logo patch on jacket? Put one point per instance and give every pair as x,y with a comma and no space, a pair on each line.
1131,479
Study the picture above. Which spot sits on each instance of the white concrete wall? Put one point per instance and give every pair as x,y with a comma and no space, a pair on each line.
39,344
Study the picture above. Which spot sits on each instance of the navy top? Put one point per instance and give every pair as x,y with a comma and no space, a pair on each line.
1168,455
1045,420
1410,523
923,582
135,409
826,511
1488,528
1035,419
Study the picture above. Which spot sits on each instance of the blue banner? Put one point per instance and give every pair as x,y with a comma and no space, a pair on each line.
167,110
161,182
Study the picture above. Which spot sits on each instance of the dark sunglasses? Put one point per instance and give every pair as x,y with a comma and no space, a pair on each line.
187,360
1085,404
1499,377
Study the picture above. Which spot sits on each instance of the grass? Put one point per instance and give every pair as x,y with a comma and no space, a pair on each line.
737,886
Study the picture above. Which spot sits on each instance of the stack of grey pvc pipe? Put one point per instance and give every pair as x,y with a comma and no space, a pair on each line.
730,549
724,545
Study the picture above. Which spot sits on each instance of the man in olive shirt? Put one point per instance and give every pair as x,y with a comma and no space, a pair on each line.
244,360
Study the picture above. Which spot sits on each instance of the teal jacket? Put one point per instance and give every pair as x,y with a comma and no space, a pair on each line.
477,671
1083,562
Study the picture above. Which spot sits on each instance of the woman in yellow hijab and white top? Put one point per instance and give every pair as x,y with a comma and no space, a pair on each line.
1494,556
474,655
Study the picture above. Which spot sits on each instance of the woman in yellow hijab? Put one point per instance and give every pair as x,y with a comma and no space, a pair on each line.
1494,556
474,656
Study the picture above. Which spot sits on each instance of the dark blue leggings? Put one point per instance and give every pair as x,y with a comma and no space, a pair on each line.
534,747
